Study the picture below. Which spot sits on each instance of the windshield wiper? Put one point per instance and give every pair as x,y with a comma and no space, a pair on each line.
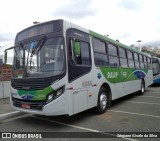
38,46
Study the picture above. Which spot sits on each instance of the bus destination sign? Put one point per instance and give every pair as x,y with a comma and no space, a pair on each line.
38,30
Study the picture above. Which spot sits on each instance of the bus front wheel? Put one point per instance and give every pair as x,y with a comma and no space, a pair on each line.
103,101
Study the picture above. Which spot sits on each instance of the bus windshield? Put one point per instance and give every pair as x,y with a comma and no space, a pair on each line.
43,58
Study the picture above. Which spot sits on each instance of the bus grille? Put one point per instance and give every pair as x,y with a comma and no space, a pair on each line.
35,84
33,105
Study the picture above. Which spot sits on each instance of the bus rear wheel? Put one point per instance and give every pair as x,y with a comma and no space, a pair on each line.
141,92
103,101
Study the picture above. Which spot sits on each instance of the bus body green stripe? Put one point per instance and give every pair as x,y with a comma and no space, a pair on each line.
118,75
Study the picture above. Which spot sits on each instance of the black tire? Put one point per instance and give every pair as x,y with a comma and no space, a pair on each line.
103,101
141,92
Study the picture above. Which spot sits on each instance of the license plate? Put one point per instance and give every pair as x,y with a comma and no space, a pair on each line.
26,105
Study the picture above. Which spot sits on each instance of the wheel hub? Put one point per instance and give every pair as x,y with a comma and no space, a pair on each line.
103,101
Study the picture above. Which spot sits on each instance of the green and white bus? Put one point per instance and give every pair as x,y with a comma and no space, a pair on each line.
60,68
156,70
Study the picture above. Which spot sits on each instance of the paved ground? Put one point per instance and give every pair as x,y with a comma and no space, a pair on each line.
5,106
129,114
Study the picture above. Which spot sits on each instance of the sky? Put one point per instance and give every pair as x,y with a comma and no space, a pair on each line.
125,20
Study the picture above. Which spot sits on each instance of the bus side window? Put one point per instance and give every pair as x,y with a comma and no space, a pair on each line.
113,55
136,60
100,53
145,62
149,63
141,61
123,58
130,59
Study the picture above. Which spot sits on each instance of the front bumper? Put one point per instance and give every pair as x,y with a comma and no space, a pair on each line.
58,106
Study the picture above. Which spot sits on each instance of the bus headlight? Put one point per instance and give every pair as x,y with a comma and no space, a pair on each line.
58,93
55,94
50,97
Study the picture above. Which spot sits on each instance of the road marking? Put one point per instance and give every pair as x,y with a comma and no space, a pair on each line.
17,117
151,96
2,116
152,88
82,128
142,103
153,92
134,113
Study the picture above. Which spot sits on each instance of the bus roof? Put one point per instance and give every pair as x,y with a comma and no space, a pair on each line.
117,43
93,34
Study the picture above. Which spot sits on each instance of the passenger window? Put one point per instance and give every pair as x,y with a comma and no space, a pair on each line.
100,56
123,58
149,63
145,62
131,63
130,55
141,61
112,50
137,64
136,56
113,61
113,56
136,60
124,63
99,46
142,65
101,59
130,59
140,58
122,52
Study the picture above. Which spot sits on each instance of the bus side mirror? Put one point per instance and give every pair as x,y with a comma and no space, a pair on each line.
5,54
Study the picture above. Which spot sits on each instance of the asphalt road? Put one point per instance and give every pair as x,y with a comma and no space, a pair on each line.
131,114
